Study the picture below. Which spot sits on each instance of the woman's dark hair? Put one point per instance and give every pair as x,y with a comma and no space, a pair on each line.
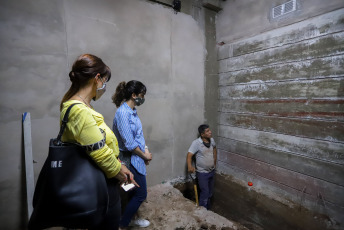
86,67
125,90
202,128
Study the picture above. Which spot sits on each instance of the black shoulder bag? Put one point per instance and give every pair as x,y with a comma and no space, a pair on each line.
71,190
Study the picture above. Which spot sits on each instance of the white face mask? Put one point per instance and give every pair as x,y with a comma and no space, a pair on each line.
100,92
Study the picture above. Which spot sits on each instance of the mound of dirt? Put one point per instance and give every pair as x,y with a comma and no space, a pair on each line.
167,209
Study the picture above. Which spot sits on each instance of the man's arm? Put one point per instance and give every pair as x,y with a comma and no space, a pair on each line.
191,169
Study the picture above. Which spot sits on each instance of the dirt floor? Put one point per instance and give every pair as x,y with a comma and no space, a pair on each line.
167,209
171,206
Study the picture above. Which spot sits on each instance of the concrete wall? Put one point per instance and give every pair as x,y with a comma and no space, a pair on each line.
247,18
281,120
138,39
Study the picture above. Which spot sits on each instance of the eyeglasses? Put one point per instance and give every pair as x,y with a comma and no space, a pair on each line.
101,79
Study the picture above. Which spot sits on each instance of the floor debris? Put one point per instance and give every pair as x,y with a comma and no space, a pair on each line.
167,209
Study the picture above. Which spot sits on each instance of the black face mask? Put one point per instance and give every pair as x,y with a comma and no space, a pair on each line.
139,101
206,144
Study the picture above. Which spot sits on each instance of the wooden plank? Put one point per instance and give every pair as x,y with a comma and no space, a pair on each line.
30,184
330,192
308,69
317,149
305,50
323,170
319,88
310,128
290,197
328,109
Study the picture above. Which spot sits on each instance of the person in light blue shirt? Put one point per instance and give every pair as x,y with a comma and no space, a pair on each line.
127,127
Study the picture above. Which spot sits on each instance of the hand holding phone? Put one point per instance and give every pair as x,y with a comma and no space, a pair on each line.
127,187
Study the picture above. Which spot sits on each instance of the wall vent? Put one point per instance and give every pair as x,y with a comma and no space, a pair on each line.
283,9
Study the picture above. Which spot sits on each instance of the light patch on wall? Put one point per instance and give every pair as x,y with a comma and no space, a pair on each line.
285,10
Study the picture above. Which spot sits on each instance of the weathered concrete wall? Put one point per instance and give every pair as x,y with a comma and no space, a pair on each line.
258,211
281,107
211,71
138,39
247,18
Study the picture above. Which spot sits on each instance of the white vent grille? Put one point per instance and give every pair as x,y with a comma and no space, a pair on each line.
283,9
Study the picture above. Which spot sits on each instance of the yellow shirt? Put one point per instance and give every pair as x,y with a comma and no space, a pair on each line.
83,127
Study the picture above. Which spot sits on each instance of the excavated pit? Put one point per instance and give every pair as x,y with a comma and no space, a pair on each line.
255,211
167,209
171,206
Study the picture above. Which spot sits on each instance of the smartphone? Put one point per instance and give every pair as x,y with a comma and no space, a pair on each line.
127,187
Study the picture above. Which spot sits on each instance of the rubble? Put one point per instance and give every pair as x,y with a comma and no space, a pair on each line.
167,209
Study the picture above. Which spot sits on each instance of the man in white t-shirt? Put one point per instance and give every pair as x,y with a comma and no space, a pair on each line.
205,149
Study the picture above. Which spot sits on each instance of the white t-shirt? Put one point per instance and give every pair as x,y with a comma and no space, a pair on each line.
204,155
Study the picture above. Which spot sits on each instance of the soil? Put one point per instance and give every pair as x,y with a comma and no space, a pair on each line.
166,208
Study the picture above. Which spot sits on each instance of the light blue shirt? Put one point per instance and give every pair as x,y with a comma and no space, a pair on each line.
127,127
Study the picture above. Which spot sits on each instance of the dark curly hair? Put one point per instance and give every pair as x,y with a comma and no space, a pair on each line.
125,90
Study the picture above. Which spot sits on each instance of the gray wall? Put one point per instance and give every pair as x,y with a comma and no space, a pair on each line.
138,39
281,108
246,18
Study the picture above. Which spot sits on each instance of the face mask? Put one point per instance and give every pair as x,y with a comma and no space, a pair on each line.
206,144
100,92
139,101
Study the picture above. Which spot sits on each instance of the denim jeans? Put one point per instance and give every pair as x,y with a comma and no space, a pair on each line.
136,197
206,186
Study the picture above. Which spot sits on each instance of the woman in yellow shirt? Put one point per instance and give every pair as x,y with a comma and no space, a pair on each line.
87,127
